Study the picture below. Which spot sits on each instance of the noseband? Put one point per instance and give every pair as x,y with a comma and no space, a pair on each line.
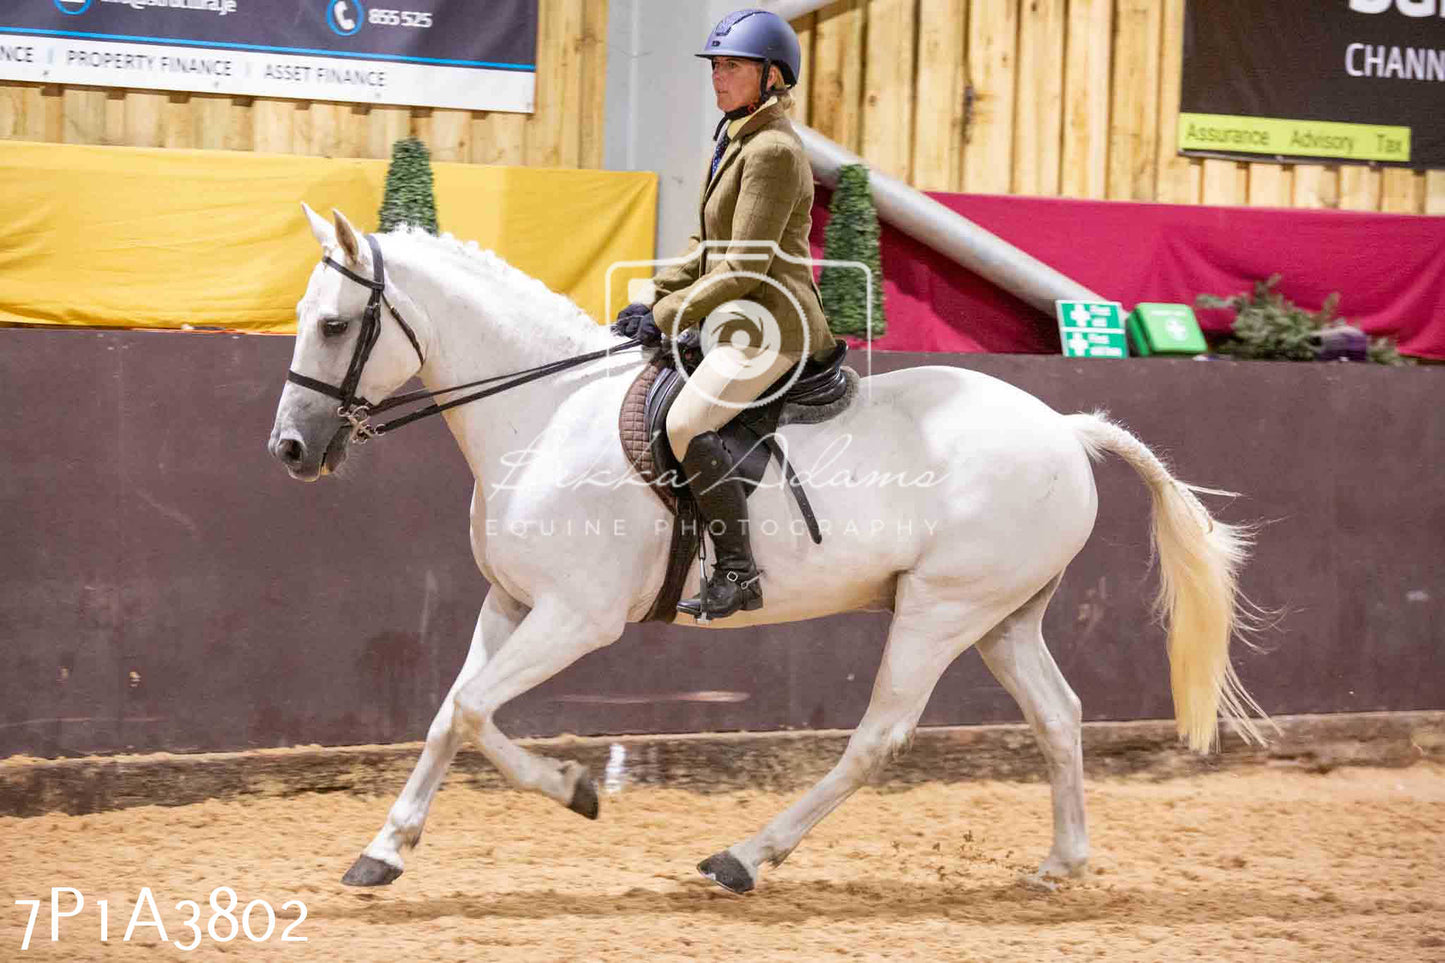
356,410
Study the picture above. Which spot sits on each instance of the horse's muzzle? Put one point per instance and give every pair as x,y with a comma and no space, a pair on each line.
309,462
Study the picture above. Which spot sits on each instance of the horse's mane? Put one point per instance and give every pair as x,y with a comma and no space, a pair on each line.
481,264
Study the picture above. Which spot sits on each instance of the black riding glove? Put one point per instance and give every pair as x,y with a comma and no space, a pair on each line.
629,318
647,330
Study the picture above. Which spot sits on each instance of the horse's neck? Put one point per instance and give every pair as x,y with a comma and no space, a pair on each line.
476,334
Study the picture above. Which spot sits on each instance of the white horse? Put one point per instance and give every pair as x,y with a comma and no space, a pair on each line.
947,497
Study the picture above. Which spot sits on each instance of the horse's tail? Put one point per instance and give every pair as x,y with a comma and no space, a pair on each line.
1198,600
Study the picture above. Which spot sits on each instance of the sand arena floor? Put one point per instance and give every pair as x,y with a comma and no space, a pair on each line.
1258,865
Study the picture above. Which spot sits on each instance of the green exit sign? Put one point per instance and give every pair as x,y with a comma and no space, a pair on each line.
1092,329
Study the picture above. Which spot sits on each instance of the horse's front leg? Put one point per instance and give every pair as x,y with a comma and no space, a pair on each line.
381,861
552,636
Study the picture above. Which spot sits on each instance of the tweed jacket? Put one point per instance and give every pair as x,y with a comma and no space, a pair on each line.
762,191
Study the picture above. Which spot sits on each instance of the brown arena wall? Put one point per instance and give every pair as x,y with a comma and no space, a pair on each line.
165,586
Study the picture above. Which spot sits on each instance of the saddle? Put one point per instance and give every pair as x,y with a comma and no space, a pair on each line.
823,389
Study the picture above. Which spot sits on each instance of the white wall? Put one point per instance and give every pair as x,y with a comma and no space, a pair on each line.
660,108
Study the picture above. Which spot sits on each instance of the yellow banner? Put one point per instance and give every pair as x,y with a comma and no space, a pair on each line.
1293,138
130,237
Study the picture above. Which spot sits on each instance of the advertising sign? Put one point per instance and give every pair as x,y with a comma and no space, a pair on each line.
1331,80
427,53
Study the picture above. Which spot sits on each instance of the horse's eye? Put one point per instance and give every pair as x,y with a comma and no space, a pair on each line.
334,326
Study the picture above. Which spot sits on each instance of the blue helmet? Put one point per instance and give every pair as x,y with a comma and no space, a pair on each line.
757,35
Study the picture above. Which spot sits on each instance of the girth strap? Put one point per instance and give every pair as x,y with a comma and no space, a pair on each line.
795,485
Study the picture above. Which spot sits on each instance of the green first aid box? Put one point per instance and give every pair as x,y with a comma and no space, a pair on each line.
1165,329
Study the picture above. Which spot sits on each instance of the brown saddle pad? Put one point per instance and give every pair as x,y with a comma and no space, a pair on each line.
632,429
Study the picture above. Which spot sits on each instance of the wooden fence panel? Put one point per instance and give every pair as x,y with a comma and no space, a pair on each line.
1269,185
939,107
31,112
1178,180
1435,192
220,122
802,93
12,111
85,115
1134,112
592,104
993,28
450,135
1359,188
180,122
888,87
1226,182
838,72
1316,186
47,111
315,130
1086,99
114,117
273,123
143,117
385,126
549,140
1401,192
497,137
1039,111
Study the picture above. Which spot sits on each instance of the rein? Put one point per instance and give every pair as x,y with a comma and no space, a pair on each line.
357,410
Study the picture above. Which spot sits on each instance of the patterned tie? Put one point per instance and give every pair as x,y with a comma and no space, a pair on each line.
722,146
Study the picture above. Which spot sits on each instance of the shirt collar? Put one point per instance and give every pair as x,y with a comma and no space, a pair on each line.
736,127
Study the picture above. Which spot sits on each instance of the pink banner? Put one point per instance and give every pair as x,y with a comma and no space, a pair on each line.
1388,268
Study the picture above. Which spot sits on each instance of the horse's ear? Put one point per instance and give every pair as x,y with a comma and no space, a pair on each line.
322,231
346,236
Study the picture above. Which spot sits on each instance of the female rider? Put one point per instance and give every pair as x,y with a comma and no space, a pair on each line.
762,310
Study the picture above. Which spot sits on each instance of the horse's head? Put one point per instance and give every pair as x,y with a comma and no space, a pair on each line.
351,350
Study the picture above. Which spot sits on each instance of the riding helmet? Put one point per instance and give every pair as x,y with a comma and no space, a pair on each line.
757,35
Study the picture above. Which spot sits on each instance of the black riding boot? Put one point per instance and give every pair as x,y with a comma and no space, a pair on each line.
723,505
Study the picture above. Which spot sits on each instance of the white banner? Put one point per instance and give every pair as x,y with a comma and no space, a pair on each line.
105,64
462,54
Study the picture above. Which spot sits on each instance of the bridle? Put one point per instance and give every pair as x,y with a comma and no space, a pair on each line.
357,411
355,408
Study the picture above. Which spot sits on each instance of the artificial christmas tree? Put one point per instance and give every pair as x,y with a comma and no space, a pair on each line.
852,235
409,196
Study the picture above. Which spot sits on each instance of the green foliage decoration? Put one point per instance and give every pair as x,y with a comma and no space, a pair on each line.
852,235
1270,327
410,198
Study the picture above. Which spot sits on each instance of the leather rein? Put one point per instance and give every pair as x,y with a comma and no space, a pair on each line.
357,411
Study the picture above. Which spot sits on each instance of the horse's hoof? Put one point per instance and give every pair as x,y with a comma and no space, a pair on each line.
1039,883
370,872
1056,868
584,797
727,871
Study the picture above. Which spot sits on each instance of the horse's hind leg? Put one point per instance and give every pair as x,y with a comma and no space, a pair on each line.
381,861
1015,652
929,630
